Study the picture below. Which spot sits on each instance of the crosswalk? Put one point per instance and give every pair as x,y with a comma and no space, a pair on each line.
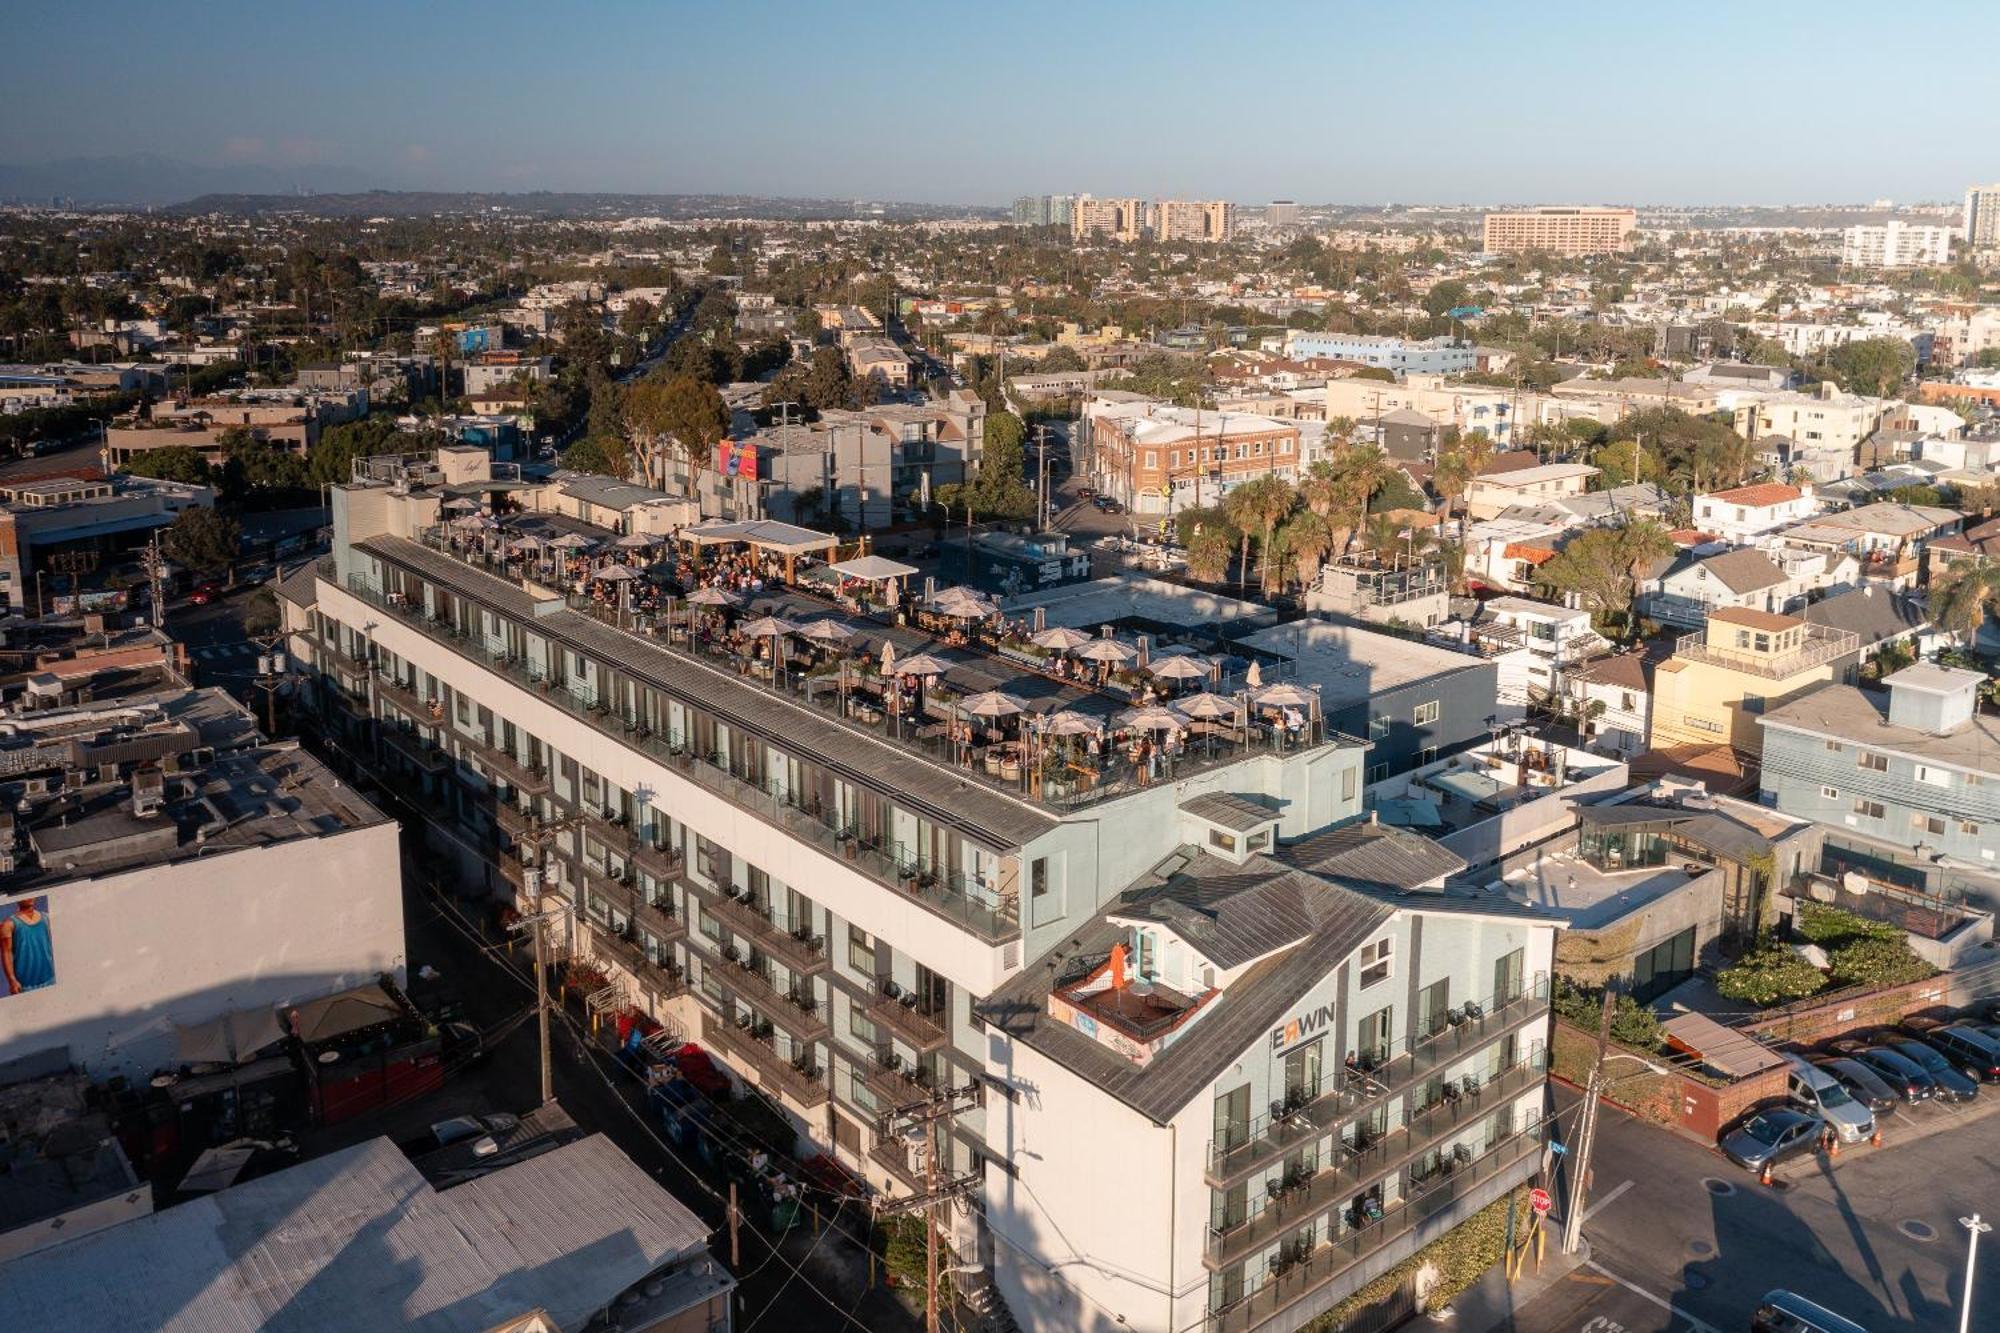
222,652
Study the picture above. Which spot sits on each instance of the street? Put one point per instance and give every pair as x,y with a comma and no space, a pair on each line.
1682,1239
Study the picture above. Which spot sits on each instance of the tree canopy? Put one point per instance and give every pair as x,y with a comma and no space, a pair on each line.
203,540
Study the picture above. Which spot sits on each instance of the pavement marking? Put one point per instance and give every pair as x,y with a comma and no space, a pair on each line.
1699,1325
1608,1196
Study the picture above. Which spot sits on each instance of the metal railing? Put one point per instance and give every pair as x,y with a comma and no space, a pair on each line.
802,1080
898,1012
984,911
1820,646
797,948
797,1012
1370,1076
1295,1279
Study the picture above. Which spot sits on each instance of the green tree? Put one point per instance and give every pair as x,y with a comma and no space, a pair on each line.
331,459
1964,595
1262,503
1208,554
1622,463
1600,567
1060,358
175,462
203,540
999,490
1873,366
605,455
682,408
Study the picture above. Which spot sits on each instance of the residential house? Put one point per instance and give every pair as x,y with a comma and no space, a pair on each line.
1491,493
1826,417
1743,514
1612,701
1742,664
1888,537
1533,644
1688,589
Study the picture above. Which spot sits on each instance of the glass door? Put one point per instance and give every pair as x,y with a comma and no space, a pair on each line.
1302,1066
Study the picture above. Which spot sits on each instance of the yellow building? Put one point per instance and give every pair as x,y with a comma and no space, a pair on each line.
1741,664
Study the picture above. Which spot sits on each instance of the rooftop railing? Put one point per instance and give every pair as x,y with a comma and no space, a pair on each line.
1820,646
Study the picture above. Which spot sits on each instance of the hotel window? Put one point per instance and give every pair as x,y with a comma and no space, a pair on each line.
1835,746
1284,446
1869,809
1829,793
1375,961
860,950
1038,877
1968,828
1152,458
1878,762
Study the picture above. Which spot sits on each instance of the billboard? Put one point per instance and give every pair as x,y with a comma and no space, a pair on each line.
736,459
27,947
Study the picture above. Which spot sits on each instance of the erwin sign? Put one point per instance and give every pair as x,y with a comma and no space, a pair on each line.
1302,1028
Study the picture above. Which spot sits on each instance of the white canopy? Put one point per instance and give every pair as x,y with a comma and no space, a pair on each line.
872,569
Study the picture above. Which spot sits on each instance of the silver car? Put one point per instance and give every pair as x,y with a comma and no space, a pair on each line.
1820,1093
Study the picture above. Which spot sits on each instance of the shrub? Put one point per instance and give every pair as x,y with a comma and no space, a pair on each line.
1877,962
1770,975
1632,1024
1831,927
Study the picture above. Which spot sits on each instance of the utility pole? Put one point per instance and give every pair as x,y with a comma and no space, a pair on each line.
1973,1226
270,675
535,843
931,1116
1593,1097
1041,477
156,579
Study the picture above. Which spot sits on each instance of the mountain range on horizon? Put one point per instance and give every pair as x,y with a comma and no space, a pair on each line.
151,180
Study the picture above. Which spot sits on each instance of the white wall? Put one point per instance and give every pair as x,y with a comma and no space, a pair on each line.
141,951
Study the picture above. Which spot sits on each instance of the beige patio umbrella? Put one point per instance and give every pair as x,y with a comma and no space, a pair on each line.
1180,668
1060,639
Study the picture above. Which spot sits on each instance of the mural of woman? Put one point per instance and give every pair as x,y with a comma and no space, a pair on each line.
27,953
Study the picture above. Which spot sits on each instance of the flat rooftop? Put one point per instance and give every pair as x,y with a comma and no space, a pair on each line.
1584,897
1350,665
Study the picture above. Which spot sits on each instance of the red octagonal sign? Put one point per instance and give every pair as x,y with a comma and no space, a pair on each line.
1538,1199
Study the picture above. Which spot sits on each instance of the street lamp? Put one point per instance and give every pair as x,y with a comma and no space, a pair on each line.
1973,1227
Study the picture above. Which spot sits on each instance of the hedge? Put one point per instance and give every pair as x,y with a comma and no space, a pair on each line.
1456,1259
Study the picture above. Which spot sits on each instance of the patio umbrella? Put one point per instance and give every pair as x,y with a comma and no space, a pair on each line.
1107,651
616,573
992,703
1180,668
888,657
635,541
1207,708
572,541
459,503
919,664
965,610
959,592
524,546
826,631
1151,719
1060,639
1256,677
1071,723
1284,695
769,627
474,522
713,597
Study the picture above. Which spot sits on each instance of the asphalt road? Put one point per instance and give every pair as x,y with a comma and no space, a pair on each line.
85,452
1682,1240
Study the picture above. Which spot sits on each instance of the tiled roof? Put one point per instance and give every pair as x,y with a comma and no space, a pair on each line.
1759,496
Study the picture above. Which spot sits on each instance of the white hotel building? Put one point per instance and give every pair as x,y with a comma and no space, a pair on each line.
1236,1051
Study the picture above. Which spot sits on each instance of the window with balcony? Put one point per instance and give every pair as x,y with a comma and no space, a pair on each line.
860,950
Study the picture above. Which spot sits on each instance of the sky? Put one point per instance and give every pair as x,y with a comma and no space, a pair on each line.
1759,101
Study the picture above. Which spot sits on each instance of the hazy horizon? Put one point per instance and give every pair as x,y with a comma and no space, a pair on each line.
1451,105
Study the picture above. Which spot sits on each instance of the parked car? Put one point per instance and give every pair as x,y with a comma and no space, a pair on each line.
1821,1094
461,1128
1900,1072
204,593
1952,1086
1862,1083
1971,1051
1086,492
1769,1137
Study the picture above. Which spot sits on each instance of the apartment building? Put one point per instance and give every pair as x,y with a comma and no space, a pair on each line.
1895,244
1562,231
1493,492
1980,222
1414,593
846,912
1404,356
1295,1065
1197,220
1826,418
1906,782
1043,210
1466,407
1741,665
1742,514
1114,219
51,527
872,466
1156,458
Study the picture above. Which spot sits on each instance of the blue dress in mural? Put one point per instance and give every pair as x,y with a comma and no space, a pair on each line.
30,950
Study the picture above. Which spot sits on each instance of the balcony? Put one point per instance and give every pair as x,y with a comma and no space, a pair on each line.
896,1082
663,978
353,704
659,862
897,1012
1294,1281
658,917
1354,1167
798,949
892,1155
797,1012
512,819
404,696
1368,1080
804,1082
1820,646
423,753
523,777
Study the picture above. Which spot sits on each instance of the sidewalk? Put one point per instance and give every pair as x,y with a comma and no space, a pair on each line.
1488,1305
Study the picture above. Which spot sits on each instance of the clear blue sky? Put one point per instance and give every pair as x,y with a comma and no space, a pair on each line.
1751,101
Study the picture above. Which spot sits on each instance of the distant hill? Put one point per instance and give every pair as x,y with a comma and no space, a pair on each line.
543,203
148,179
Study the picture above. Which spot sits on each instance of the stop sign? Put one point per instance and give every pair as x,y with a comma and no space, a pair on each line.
1538,1199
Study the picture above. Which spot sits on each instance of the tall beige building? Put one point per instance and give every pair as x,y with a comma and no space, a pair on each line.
1981,221
1563,231
1194,219
1120,219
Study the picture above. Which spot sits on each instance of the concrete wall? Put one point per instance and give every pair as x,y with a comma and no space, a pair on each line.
139,952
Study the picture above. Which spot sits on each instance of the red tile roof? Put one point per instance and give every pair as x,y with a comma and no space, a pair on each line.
1760,496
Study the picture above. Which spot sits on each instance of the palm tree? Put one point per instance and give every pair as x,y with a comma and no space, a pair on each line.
1363,470
1965,595
1306,538
1208,555
1259,505
1320,488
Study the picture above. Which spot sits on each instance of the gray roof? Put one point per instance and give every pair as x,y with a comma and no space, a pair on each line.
1861,717
1373,857
1339,923
1229,811
989,815
1872,615
357,1240
607,492
301,586
1744,571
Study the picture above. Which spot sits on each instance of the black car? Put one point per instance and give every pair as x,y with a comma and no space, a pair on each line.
1862,1083
1952,1086
1768,1137
1904,1075
1970,1050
